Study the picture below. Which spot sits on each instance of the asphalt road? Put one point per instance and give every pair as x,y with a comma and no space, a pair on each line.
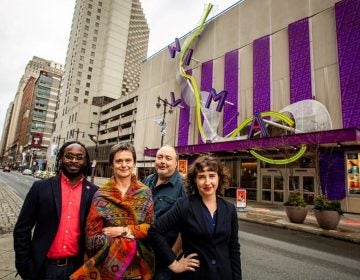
276,254
19,183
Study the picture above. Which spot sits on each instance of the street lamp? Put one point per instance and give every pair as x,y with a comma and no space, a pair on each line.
57,140
95,139
77,133
164,103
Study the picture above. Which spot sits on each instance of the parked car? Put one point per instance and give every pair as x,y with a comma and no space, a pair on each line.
27,172
6,169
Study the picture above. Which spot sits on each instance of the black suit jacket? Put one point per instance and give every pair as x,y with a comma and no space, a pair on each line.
41,213
219,254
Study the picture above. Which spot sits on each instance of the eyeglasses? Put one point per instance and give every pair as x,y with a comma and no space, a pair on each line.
76,157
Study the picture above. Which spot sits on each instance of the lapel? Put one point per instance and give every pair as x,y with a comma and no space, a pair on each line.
56,189
221,212
84,199
198,213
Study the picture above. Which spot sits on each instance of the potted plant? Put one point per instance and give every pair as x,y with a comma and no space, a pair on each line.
327,212
295,208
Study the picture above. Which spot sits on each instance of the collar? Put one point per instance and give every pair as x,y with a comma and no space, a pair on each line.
66,179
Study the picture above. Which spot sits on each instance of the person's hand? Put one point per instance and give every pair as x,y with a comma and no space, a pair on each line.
118,231
185,263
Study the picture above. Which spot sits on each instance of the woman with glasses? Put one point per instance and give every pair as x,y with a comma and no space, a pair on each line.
208,226
116,228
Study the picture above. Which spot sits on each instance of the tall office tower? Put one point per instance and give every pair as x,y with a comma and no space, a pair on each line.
12,148
108,41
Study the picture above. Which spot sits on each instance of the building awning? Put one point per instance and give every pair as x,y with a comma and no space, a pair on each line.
345,137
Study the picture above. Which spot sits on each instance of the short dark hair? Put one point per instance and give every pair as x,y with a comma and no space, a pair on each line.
87,168
213,164
121,147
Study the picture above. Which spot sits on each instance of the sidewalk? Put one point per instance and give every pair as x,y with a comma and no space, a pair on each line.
268,214
274,215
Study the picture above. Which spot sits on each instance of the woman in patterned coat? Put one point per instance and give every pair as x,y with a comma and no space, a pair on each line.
116,229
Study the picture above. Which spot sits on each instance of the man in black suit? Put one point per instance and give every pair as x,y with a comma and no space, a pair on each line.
49,234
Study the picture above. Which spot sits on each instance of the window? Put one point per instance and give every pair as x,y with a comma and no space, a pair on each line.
82,50
90,69
75,98
89,77
81,66
96,24
77,90
87,27
84,42
87,20
96,31
79,74
78,82
91,61
90,6
98,17
93,46
87,85
85,101
86,92
92,53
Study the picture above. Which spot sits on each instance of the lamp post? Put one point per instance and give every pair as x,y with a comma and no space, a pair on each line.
164,103
57,140
77,131
95,139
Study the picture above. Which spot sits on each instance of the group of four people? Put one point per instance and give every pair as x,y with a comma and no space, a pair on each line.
127,229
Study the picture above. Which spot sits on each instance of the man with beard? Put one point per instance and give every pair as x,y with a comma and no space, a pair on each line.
166,186
49,233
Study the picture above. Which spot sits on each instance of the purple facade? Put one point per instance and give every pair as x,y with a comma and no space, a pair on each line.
300,65
184,118
206,82
332,175
261,69
347,13
231,86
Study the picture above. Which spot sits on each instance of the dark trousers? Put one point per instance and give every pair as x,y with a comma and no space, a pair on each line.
55,272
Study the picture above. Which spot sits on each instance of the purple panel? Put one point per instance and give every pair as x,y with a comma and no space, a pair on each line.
299,56
347,14
231,86
332,175
261,69
184,118
206,82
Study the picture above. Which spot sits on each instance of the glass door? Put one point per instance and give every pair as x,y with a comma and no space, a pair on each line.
303,181
272,185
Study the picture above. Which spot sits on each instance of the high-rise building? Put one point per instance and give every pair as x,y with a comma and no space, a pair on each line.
108,41
12,149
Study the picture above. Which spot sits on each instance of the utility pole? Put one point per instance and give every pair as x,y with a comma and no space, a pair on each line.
164,103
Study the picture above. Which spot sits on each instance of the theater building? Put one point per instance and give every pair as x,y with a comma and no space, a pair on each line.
270,87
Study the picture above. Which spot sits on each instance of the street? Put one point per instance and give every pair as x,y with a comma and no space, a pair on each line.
268,252
19,183
276,254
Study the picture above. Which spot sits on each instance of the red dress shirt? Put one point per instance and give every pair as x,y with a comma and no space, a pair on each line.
66,242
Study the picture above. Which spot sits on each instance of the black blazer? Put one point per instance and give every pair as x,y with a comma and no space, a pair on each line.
219,254
41,210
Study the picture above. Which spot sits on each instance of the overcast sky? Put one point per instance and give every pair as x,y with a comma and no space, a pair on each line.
42,27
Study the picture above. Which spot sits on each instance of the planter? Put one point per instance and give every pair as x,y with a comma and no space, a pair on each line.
327,219
296,214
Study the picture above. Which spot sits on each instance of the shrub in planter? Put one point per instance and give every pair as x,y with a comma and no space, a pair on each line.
327,212
295,208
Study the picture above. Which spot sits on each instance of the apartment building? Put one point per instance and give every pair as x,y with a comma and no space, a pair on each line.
108,41
12,151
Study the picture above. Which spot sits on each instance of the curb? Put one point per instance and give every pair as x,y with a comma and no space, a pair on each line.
279,222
